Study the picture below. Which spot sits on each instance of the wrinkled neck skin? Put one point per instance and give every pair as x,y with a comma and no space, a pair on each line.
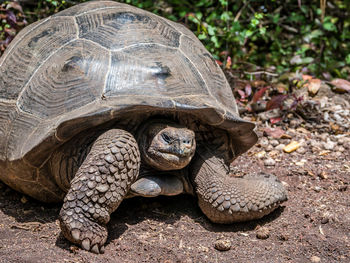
212,159
214,153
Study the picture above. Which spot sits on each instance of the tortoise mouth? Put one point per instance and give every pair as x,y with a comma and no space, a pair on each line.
166,159
181,153
175,159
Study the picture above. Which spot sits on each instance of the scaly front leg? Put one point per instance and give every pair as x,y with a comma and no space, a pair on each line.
224,198
99,186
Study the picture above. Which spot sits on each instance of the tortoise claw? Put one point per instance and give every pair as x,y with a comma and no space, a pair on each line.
95,249
102,249
76,234
86,244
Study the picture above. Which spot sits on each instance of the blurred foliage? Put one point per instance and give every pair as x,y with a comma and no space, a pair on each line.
312,37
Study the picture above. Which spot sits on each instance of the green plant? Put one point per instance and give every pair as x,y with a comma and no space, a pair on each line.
308,36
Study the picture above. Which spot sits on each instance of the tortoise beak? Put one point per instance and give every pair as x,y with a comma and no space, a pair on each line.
184,148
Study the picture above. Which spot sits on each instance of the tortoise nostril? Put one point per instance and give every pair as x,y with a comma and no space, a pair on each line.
187,144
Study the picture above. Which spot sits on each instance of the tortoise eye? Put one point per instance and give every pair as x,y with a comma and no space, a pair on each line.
166,138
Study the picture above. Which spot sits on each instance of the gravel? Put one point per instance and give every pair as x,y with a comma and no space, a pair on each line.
329,145
280,147
269,148
301,150
264,142
274,143
269,162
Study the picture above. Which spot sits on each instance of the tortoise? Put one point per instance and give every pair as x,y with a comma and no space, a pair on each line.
104,101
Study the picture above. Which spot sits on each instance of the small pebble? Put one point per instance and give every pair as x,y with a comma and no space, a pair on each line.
269,148
294,123
274,143
315,143
317,189
342,188
274,153
263,233
323,175
329,145
260,154
315,259
324,136
280,147
338,154
269,162
283,237
324,220
339,149
341,140
264,142
222,244
301,150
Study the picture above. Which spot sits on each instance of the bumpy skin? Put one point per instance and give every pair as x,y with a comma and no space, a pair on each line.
224,198
99,186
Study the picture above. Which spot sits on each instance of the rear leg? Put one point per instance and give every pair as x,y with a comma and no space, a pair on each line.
98,187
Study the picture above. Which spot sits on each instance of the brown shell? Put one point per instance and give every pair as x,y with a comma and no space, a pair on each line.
96,61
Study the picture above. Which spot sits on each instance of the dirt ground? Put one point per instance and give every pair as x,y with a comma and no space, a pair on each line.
312,226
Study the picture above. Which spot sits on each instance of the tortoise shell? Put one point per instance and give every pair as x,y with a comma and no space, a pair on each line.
96,62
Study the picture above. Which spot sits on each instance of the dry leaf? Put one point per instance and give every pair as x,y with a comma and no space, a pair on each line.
324,152
259,93
281,88
286,136
228,63
291,147
14,5
276,102
274,132
310,173
302,130
275,120
258,83
306,77
313,86
341,85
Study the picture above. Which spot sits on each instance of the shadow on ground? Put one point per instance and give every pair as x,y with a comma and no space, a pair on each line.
168,210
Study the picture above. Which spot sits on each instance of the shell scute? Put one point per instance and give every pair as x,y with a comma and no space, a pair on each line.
112,28
73,76
20,62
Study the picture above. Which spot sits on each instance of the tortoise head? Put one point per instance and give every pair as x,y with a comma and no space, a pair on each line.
165,145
